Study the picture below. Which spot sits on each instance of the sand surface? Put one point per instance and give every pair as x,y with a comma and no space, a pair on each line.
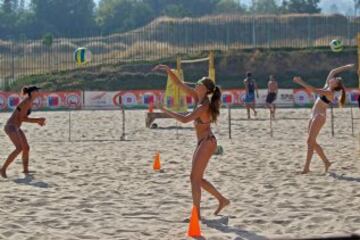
94,189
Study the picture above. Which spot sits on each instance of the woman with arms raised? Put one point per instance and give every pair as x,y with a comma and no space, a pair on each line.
206,112
318,115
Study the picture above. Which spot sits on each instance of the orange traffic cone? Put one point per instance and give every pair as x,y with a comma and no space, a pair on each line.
156,164
194,226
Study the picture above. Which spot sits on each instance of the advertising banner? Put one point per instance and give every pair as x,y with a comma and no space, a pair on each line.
129,98
352,95
142,99
99,99
303,98
46,100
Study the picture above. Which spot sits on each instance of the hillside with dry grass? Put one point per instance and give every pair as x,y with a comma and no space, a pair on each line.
286,45
312,64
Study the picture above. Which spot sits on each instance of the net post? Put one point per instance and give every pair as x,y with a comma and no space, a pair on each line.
70,125
271,128
123,136
212,65
352,120
178,63
332,121
229,120
177,131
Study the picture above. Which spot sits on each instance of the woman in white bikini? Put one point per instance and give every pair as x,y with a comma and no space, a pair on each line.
204,114
13,130
318,116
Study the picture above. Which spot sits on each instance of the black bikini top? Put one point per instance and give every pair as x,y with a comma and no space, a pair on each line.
28,112
325,100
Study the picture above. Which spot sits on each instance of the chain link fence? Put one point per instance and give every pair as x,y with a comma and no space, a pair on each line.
166,37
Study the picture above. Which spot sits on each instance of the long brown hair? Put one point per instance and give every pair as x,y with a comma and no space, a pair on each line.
341,87
215,101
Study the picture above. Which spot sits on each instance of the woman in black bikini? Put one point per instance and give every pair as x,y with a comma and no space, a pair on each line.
16,135
318,115
203,115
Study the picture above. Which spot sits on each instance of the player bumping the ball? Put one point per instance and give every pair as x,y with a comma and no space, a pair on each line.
318,115
207,100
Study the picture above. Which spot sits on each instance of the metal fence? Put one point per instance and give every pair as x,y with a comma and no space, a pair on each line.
166,37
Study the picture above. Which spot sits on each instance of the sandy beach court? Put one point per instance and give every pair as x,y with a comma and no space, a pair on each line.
90,188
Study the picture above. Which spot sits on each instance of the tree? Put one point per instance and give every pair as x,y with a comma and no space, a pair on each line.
357,6
228,6
8,17
334,9
186,7
264,7
301,6
64,17
176,11
199,7
122,15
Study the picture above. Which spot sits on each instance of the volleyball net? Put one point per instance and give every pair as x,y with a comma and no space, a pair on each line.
174,98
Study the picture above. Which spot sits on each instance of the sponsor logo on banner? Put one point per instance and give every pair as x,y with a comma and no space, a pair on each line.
72,100
98,96
37,103
2,102
302,97
148,98
129,99
285,97
353,95
53,101
98,99
227,98
261,100
13,100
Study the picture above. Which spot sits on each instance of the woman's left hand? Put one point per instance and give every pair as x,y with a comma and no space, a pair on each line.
41,121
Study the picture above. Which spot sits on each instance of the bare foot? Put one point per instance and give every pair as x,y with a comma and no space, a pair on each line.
327,165
222,204
3,173
305,171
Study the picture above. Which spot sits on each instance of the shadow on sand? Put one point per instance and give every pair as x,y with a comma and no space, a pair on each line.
29,180
343,177
221,225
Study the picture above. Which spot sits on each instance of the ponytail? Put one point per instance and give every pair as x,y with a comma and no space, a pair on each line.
215,103
341,87
343,97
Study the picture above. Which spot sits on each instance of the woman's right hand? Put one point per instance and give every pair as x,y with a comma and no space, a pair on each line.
161,67
298,80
